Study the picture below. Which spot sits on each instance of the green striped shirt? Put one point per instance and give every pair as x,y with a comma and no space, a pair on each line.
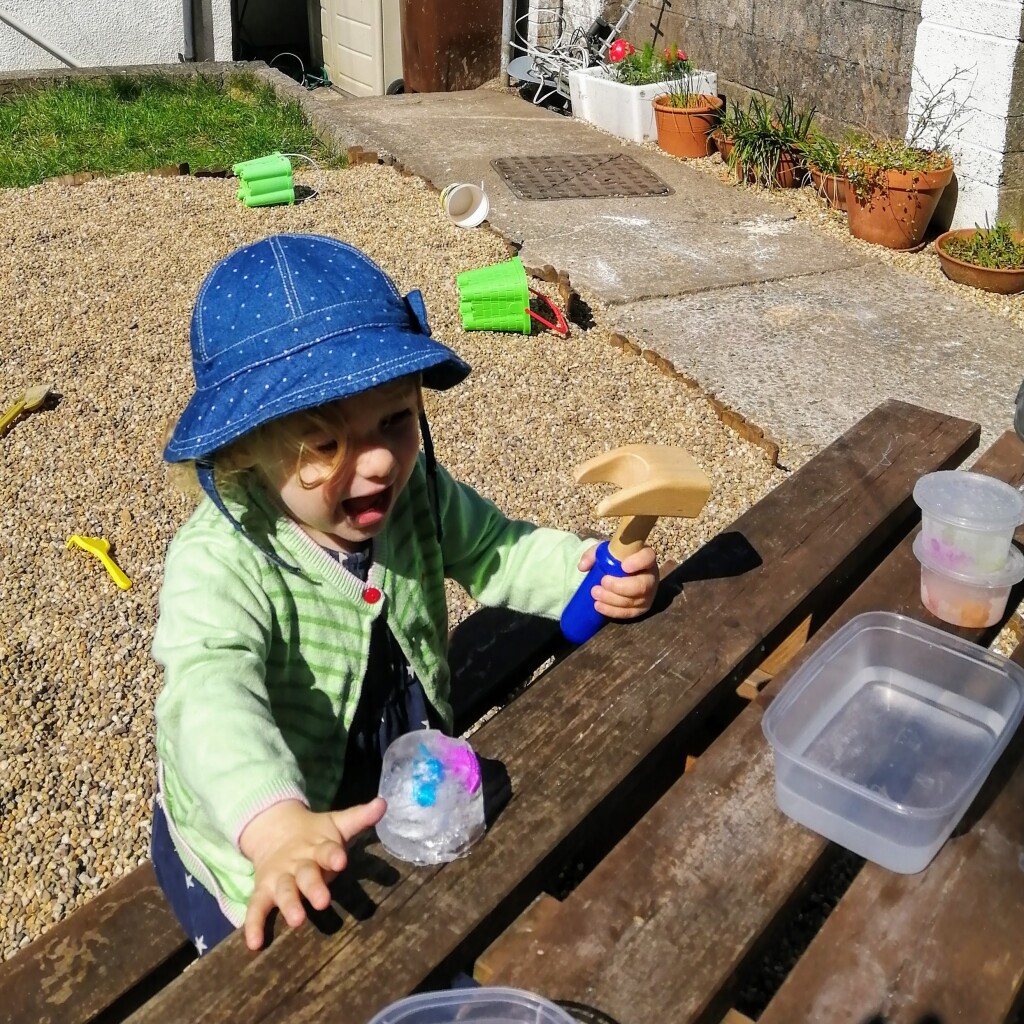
263,666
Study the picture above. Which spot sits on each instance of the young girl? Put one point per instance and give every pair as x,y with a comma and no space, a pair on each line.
303,622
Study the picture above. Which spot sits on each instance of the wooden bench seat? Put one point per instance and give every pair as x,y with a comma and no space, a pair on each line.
639,689
634,690
663,926
108,957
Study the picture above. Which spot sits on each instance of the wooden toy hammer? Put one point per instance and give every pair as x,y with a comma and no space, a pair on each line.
655,480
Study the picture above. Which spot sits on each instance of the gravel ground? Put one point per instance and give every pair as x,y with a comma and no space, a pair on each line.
98,283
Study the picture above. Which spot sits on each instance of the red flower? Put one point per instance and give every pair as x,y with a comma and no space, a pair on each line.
679,55
619,50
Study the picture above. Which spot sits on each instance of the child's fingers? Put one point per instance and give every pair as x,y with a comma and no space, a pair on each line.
260,904
286,896
331,856
640,561
587,559
623,590
353,820
310,881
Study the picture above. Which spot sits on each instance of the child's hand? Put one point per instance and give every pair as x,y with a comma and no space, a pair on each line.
296,852
625,597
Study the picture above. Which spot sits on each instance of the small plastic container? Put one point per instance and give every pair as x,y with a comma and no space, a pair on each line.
967,519
883,738
964,599
479,1005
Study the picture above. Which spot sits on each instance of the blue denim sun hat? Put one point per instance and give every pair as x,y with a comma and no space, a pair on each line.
292,322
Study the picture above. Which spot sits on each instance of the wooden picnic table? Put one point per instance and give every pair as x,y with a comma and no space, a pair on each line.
692,873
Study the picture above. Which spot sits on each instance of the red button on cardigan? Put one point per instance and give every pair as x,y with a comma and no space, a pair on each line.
371,595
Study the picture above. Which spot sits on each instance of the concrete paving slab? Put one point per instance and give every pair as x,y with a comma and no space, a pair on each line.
631,254
798,332
807,357
703,236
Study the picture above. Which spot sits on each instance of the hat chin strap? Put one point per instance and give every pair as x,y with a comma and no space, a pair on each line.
431,466
204,471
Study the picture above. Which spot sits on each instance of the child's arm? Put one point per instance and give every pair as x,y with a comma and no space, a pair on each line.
295,852
216,733
516,564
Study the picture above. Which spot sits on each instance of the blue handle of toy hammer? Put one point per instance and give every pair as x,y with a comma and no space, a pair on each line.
581,620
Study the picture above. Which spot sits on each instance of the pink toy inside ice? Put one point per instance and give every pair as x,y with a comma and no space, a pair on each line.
432,784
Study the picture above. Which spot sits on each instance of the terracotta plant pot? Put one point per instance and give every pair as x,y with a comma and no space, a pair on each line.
685,131
788,172
989,279
831,187
897,212
722,144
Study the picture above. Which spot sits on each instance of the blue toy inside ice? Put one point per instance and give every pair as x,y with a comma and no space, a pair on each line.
433,788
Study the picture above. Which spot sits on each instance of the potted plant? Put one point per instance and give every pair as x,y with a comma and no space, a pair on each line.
724,133
821,154
894,184
892,189
684,118
768,141
990,258
618,96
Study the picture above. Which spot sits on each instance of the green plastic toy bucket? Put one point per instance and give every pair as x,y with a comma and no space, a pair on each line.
265,181
495,298
272,166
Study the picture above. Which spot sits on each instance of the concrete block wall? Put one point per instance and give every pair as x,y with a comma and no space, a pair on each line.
108,32
979,42
850,59
866,64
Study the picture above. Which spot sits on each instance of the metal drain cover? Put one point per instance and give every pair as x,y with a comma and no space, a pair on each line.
586,176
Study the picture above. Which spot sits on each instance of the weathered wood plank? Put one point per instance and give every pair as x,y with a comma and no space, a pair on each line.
775,662
944,945
494,651
659,929
83,965
572,741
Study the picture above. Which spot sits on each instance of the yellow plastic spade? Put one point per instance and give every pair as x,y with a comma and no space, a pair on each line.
30,400
99,547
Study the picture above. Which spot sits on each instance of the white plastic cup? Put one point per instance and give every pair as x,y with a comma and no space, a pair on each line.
967,520
965,599
466,205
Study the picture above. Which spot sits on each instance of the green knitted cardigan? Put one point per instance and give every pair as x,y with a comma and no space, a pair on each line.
263,666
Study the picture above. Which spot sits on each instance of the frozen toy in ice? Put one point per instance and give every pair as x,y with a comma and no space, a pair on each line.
433,788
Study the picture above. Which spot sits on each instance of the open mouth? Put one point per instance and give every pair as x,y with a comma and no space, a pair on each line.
369,508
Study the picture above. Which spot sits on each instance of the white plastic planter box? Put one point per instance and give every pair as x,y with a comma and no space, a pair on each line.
625,110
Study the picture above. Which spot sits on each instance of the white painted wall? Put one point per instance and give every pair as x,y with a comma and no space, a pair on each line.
982,38
104,32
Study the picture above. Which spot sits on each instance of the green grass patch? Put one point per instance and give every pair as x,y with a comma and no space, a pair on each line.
117,125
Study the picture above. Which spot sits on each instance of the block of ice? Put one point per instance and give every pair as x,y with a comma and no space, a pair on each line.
435,798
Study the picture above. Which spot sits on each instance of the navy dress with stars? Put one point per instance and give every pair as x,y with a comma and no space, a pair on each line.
392,703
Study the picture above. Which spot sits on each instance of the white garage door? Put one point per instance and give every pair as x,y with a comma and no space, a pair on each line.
354,45
361,44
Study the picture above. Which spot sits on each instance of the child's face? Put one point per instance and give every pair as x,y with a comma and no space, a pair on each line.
344,509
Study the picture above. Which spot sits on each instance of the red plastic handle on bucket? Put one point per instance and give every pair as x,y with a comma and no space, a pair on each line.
561,327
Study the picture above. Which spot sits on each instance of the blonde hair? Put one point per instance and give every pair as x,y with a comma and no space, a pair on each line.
284,441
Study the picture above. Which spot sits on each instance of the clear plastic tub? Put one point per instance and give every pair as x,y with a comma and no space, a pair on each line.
479,1005
967,519
963,599
883,738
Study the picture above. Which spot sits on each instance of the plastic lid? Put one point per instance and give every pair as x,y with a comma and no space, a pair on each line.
1012,572
970,499
483,1005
